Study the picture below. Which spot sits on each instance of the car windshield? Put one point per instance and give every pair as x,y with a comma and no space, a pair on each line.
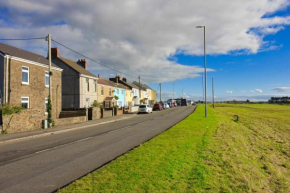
142,106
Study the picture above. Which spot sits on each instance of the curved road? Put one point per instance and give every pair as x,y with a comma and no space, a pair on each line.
48,163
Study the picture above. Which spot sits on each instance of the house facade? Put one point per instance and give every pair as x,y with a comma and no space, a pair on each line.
79,85
105,90
132,91
148,95
24,80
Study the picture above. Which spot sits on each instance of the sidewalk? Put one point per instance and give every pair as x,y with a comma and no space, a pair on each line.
7,138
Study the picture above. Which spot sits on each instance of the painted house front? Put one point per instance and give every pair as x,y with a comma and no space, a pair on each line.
105,89
79,85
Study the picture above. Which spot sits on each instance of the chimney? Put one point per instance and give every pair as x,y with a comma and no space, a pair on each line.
118,78
124,79
55,52
99,76
82,63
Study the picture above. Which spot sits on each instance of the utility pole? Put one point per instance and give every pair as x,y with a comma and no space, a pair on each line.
204,67
212,94
139,89
182,93
173,92
202,91
49,63
160,91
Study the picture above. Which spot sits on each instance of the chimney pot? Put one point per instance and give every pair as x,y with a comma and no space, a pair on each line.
82,63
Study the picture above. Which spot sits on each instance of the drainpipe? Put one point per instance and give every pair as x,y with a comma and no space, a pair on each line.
7,71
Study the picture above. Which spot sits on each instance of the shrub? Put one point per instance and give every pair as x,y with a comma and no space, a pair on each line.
96,104
9,109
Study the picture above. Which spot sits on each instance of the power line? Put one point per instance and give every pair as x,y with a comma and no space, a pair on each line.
96,61
24,38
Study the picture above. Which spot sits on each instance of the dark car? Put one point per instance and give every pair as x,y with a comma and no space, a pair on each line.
157,107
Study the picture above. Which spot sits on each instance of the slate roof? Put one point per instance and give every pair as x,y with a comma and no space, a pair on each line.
76,67
125,83
106,82
19,53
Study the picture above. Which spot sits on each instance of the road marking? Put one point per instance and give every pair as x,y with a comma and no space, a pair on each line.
63,145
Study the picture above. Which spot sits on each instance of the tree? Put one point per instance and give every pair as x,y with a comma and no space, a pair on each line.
116,97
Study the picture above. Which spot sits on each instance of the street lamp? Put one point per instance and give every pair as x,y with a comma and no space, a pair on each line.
204,68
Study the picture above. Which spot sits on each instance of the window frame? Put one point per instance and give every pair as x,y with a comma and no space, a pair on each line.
88,84
27,97
102,90
23,71
110,91
95,85
46,75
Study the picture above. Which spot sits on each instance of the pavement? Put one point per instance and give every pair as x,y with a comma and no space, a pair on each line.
8,138
49,162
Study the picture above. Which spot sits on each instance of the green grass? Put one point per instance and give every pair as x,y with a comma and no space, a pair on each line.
214,154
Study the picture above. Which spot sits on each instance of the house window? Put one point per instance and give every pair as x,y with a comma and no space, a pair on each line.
95,86
25,102
25,75
110,91
122,92
46,78
120,103
46,105
88,84
87,102
102,90
117,91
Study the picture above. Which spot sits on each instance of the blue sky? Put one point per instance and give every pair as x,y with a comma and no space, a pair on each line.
247,41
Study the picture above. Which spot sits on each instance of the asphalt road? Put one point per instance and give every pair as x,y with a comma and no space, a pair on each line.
48,163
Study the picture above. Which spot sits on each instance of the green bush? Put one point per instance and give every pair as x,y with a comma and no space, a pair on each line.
9,109
96,104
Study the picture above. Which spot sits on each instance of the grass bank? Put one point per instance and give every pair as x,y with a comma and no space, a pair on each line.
214,154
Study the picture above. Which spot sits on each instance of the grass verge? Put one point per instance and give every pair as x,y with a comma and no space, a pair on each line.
214,154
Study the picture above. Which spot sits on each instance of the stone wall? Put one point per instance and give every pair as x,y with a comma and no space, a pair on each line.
134,109
96,113
70,120
26,120
107,113
120,111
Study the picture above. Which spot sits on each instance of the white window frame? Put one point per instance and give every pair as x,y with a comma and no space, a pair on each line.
95,85
88,85
22,97
46,75
102,90
110,91
46,103
22,70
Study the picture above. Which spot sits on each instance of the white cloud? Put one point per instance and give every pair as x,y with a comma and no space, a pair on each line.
252,91
229,91
258,90
243,91
281,89
137,37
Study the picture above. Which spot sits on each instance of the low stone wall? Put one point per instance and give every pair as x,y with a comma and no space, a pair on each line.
134,109
120,111
26,120
70,120
107,113
94,113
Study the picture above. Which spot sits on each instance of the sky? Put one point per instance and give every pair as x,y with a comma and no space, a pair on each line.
247,42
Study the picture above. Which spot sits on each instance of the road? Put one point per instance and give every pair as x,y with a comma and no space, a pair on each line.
48,163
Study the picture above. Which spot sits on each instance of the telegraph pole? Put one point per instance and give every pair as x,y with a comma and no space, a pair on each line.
173,92
139,89
212,94
160,91
49,63
202,91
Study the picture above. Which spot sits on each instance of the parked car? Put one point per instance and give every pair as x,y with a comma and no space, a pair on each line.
157,107
145,109
170,105
173,105
165,106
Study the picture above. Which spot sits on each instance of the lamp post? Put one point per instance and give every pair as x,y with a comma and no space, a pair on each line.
204,67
